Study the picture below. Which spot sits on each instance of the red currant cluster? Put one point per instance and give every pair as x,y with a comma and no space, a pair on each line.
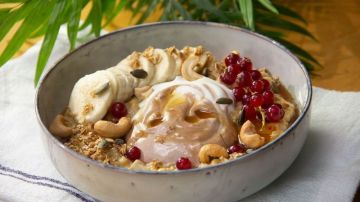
250,88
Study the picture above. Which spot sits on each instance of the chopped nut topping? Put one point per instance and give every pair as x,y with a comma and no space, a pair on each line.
134,60
199,50
87,109
148,52
151,56
160,139
171,50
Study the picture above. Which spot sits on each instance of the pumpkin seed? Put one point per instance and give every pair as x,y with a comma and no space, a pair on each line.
241,118
119,141
103,87
224,100
139,73
205,72
102,144
275,88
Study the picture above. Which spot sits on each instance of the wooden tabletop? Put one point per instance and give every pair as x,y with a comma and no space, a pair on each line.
336,25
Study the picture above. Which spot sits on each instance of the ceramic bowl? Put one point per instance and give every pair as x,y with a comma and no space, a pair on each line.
229,181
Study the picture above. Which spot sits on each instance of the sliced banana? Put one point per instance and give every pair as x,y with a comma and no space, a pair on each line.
125,83
91,97
127,90
178,63
137,61
93,94
165,69
113,82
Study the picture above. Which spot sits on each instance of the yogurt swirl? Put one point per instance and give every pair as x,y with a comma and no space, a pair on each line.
179,117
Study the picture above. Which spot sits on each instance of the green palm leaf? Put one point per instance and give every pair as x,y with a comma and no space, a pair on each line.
112,14
50,37
96,20
289,13
44,18
151,7
246,8
23,33
267,4
208,6
16,15
73,24
184,13
274,21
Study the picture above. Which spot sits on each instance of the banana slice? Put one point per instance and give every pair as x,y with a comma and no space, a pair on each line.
178,62
165,69
91,96
127,90
113,81
125,83
137,61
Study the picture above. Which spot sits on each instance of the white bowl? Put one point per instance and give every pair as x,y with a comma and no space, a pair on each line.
229,181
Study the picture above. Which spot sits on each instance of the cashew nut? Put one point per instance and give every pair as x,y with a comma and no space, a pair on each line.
209,151
112,130
249,137
187,68
58,127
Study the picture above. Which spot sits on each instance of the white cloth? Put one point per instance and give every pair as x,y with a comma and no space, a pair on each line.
327,169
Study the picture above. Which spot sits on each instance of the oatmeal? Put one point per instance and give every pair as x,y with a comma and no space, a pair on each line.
170,109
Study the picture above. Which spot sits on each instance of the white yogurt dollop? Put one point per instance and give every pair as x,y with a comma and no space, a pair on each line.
179,117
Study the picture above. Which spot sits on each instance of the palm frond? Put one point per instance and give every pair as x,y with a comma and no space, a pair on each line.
44,18
54,24
73,23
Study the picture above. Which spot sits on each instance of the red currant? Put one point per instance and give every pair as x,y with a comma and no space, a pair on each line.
238,148
246,98
255,75
183,163
228,78
232,58
118,110
266,84
256,100
234,69
245,64
133,153
238,92
268,99
250,112
274,113
257,86
244,78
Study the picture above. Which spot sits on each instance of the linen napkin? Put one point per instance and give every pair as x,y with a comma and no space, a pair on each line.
327,169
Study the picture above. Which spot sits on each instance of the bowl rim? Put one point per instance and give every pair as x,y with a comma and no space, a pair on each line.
207,168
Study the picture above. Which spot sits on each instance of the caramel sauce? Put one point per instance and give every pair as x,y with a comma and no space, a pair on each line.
191,119
266,131
155,119
204,114
155,122
199,114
